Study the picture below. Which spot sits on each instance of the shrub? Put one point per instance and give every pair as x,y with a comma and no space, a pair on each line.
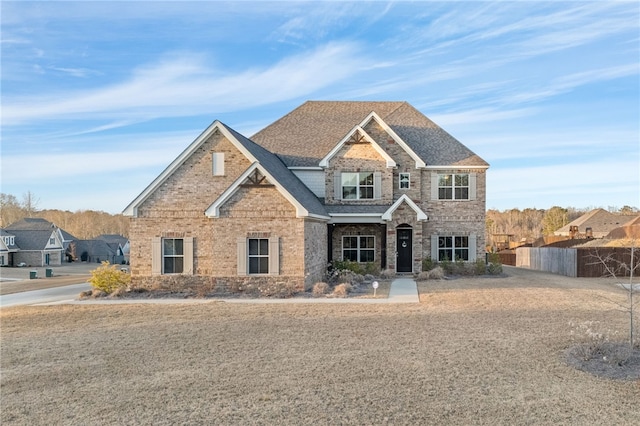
422,276
436,273
495,266
347,265
447,266
108,278
480,267
371,268
428,264
320,289
341,290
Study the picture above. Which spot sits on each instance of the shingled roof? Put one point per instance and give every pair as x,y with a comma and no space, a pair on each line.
282,174
600,221
307,134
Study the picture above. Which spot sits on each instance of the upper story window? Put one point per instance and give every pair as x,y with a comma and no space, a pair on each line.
453,187
218,163
404,181
52,240
172,255
357,186
9,241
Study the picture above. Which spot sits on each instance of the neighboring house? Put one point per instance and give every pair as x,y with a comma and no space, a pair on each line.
38,243
364,181
95,251
119,244
596,224
8,248
109,247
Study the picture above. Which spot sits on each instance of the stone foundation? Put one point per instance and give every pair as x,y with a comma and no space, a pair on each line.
259,286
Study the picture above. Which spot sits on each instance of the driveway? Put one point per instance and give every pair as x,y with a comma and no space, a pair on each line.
49,295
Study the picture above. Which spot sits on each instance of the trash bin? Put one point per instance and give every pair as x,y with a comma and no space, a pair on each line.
33,275
48,272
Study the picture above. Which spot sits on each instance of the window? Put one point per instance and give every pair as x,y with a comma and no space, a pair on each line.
358,248
404,181
453,187
172,256
218,163
453,248
357,186
258,253
52,240
258,256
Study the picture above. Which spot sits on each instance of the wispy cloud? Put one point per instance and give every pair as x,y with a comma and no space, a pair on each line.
185,85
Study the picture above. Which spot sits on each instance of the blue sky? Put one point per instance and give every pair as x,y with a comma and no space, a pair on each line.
99,97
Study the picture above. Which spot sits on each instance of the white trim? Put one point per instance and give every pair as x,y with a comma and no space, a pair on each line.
404,198
390,162
132,208
355,218
419,162
305,168
213,211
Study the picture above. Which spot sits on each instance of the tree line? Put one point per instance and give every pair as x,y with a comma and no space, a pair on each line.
531,224
82,224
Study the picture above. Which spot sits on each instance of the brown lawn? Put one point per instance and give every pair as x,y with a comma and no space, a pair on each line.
475,351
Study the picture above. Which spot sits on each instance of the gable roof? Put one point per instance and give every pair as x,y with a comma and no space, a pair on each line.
306,203
34,239
365,136
600,221
303,137
31,224
405,199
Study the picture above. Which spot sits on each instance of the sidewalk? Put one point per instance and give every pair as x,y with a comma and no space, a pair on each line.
403,290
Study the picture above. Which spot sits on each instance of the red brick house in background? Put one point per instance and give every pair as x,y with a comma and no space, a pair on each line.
365,181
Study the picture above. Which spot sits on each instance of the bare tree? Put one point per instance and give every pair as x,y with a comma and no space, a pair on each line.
30,203
617,267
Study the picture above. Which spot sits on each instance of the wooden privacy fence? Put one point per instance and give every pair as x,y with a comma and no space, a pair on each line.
550,259
575,262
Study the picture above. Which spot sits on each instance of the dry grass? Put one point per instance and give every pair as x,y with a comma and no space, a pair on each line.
490,355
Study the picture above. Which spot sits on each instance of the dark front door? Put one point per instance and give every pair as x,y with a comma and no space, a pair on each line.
405,250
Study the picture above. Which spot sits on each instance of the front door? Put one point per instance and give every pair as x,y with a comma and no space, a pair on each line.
405,250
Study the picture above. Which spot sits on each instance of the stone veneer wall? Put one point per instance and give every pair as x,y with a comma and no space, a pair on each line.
358,157
364,229
452,217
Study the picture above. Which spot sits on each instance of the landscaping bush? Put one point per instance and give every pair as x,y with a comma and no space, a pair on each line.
495,266
371,268
436,273
320,289
480,267
428,264
108,278
341,290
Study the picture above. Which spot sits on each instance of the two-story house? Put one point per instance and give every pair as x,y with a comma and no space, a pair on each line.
365,181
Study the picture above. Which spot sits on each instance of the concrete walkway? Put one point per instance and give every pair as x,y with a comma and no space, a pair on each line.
403,290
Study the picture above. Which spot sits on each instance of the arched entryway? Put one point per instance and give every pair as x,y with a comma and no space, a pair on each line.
404,248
